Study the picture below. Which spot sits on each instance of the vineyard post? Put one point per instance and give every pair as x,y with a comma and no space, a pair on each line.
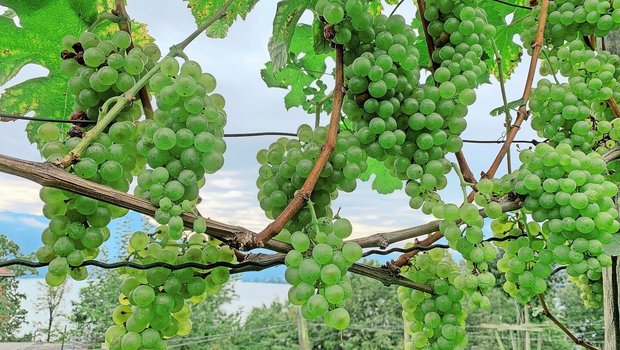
611,297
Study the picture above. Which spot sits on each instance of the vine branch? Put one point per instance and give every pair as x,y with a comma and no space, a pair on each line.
550,316
431,247
46,174
306,190
429,39
382,240
522,112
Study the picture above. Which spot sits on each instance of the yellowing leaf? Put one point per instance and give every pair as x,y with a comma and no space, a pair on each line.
202,10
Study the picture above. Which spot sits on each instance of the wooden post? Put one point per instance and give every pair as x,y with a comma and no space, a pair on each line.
302,332
611,301
611,304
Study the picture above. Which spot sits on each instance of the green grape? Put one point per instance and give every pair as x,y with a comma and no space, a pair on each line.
48,132
94,57
164,139
121,39
333,13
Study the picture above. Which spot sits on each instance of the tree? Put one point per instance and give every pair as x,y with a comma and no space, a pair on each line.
12,315
90,314
52,298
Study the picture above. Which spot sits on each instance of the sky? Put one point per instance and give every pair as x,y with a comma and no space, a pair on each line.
230,194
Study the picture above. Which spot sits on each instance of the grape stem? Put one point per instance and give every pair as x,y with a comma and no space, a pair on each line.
305,192
462,181
555,78
396,7
502,86
550,316
522,112
106,16
315,220
318,105
125,25
129,95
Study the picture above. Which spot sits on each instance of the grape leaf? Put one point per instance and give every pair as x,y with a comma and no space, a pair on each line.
203,9
511,105
86,10
498,14
285,21
375,7
301,73
383,182
38,41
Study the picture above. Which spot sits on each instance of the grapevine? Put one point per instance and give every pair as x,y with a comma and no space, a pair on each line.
403,89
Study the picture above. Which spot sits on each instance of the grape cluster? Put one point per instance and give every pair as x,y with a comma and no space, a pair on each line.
286,164
183,143
462,227
155,303
567,191
572,19
317,268
559,115
460,33
78,223
103,69
381,71
526,262
407,125
434,321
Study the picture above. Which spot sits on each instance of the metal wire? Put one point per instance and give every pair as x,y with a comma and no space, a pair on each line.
432,246
115,265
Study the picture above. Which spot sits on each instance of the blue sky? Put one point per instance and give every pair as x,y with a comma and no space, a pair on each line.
230,195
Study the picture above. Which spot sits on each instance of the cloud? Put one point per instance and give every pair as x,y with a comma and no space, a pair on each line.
19,196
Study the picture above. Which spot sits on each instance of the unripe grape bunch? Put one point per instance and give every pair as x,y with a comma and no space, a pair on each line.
317,267
287,163
433,321
78,224
183,142
156,303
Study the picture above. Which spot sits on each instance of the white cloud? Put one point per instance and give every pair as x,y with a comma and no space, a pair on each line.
20,196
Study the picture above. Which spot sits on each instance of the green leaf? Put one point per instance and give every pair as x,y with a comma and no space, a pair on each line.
38,41
285,21
203,9
288,77
613,247
302,71
86,10
375,7
383,182
511,105
510,51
